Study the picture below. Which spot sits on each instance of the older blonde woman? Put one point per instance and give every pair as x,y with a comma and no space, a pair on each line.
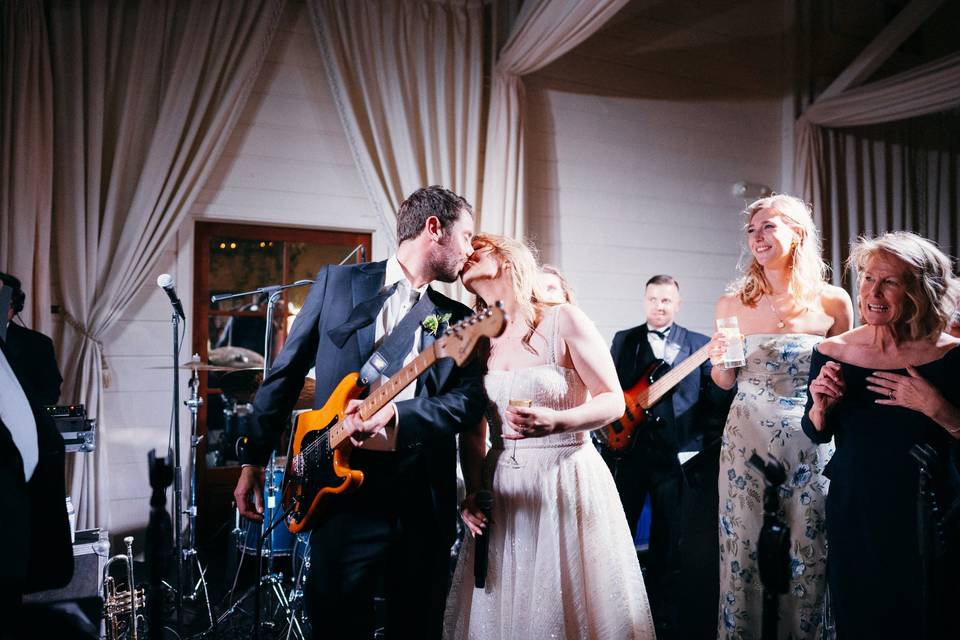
879,390
784,307
561,559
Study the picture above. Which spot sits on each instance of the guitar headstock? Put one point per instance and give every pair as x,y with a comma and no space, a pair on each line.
459,341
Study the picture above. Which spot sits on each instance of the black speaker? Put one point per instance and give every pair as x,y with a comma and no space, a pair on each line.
84,589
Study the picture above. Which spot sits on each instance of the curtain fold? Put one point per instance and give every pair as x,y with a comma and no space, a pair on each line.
544,31
884,156
26,145
144,98
407,78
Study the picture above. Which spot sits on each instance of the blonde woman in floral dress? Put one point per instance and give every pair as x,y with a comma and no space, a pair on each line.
784,307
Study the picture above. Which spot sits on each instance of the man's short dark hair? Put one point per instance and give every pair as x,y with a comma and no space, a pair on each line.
426,202
663,279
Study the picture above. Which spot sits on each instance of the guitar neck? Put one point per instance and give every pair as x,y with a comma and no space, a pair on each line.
672,378
387,392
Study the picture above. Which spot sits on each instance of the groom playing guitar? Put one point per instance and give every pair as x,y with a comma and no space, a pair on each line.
399,525
685,415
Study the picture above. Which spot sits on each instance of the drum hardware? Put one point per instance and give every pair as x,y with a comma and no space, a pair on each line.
121,608
266,542
194,575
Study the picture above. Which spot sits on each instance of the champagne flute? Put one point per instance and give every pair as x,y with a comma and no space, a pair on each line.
520,396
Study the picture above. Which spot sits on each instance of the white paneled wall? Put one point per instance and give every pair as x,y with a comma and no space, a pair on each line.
287,163
635,140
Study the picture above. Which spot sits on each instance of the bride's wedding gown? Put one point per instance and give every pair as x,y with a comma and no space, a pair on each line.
562,563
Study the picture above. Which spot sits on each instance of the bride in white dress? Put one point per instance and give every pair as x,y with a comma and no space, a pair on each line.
562,563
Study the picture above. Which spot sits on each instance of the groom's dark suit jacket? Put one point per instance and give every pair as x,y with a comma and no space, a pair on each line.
448,399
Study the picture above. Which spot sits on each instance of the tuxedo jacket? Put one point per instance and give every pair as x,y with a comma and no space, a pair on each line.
694,410
30,354
36,532
448,398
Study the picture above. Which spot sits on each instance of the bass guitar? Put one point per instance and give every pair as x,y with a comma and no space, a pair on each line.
318,460
656,382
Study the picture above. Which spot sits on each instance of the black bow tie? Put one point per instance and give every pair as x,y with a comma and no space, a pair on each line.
663,334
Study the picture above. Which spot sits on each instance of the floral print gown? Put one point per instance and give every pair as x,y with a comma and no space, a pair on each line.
765,417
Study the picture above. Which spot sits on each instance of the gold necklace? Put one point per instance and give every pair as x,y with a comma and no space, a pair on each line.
780,323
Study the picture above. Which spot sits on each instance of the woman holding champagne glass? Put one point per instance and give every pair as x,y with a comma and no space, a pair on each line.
783,307
561,560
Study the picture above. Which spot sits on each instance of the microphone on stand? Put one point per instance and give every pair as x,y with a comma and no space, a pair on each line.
165,282
484,500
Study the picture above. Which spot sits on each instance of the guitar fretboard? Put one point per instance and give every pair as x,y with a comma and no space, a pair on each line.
386,392
652,394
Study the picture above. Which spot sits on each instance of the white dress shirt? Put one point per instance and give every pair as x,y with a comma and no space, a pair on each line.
394,309
18,417
662,348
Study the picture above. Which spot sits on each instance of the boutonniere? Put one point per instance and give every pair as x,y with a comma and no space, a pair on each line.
432,322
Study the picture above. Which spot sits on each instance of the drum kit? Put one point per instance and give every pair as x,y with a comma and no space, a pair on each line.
240,375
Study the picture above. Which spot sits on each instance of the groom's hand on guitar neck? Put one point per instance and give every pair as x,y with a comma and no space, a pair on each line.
359,429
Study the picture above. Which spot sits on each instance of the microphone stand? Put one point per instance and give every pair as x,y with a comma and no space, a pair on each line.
177,470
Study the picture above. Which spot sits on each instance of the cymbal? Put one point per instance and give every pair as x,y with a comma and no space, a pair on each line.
235,357
204,366
242,385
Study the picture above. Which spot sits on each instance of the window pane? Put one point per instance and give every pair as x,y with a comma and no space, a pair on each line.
239,265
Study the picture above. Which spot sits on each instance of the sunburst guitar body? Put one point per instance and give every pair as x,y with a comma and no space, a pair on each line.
618,437
318,463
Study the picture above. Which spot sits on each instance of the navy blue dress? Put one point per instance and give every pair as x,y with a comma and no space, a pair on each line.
873,568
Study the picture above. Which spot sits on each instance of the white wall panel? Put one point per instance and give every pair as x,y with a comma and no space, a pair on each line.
635,140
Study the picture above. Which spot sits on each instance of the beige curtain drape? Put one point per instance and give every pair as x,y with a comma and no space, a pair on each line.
26,145
543,31
884,156
144,98
407,77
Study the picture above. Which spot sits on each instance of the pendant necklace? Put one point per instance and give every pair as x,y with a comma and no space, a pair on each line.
780,323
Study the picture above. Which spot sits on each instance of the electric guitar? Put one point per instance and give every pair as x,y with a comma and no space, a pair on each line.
318,461
619,437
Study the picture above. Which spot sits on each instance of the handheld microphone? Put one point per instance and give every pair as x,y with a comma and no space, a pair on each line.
165,282
484,500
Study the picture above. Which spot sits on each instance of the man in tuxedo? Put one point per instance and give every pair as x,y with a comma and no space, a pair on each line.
36,533
690,416
399,526
29,352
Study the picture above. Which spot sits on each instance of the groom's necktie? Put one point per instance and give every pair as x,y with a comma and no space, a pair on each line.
362,315
388,359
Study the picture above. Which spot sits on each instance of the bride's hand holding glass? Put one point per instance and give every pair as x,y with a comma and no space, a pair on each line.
532,422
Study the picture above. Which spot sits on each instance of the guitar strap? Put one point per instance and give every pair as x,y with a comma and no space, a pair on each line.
388,359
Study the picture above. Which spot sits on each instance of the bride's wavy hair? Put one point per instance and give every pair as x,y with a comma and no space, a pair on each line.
519,260
808,271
